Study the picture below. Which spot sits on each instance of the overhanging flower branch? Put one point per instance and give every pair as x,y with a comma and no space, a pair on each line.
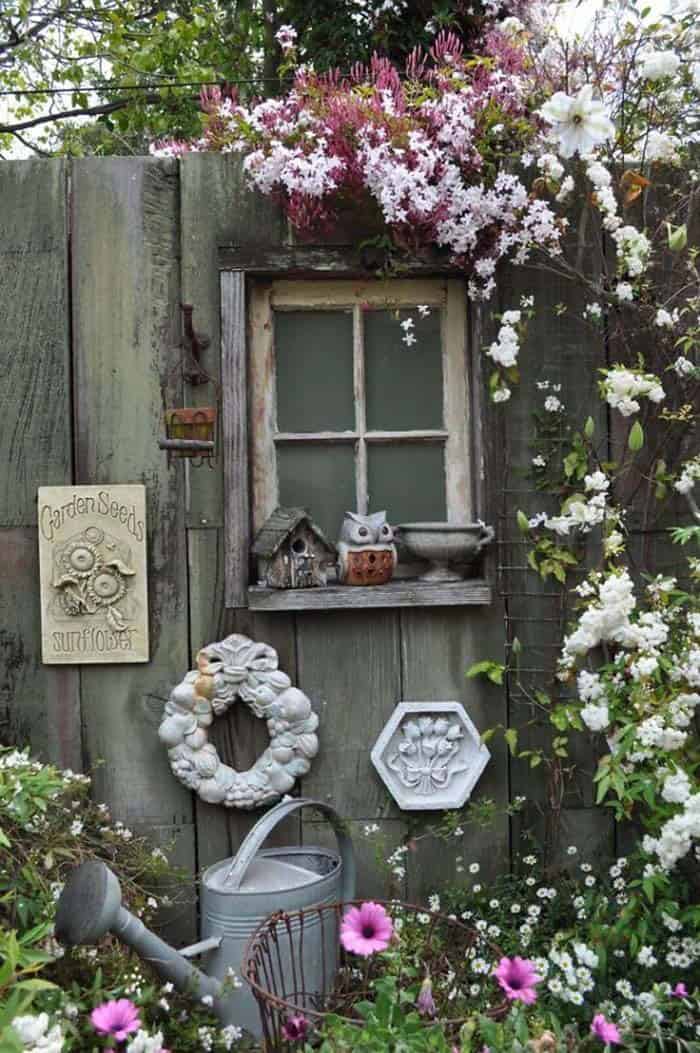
433,149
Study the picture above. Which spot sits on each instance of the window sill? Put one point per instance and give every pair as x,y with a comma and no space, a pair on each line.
469,592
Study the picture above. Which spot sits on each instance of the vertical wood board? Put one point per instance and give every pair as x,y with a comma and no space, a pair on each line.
216,208
349,666
234,382
39,705
35,401
125,319
437,648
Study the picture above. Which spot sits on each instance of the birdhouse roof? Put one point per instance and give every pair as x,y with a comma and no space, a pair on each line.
277,528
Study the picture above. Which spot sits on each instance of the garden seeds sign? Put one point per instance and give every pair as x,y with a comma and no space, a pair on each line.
92,553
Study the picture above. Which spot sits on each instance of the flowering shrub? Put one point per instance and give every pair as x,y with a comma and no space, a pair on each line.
429,150
55,1001
574,973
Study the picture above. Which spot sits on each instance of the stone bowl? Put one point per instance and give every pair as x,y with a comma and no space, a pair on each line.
444,543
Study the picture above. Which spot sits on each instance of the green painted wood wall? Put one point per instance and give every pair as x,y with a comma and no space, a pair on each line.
95,258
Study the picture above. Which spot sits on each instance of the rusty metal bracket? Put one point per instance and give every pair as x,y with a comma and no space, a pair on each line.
194,343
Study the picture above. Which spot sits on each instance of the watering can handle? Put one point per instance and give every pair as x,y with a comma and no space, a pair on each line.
264,827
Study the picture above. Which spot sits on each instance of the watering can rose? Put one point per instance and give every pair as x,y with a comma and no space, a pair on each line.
366,929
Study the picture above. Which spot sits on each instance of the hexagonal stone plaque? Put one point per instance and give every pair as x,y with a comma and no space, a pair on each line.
429,755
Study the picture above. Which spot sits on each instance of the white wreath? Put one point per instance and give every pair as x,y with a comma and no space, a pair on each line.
232,669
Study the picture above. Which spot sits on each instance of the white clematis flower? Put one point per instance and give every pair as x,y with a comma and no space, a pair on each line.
580,122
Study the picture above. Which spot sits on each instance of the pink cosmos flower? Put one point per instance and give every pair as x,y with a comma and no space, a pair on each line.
295,1028
366,929
605,1030
679,991
518,978
118,1018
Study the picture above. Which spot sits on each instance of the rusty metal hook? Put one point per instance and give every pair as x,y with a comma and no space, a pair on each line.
195,344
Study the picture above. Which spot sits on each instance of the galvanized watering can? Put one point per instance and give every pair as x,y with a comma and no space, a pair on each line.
237,895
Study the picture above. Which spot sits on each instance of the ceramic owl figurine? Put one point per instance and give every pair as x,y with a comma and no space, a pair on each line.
366,550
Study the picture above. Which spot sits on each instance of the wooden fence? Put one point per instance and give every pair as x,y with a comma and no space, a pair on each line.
95,258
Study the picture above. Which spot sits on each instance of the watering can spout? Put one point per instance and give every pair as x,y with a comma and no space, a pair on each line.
91,905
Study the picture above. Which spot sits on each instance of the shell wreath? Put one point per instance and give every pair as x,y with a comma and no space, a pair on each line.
238,668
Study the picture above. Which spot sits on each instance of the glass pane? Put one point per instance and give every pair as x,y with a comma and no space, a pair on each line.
404,384
320,477
314,371
408,480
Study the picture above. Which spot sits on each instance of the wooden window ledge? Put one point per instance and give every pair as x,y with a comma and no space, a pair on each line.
406,593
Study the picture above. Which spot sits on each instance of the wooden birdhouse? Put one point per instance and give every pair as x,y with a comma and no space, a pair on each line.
292,552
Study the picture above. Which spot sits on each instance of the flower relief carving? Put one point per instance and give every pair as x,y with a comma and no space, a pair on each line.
429,755
91,574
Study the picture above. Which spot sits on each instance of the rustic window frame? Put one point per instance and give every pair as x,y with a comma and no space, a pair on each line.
240,465
340,294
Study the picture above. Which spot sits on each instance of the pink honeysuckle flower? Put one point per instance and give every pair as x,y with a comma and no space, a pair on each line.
366,929
679,991
605,1030
118,1018
295,1028
517,977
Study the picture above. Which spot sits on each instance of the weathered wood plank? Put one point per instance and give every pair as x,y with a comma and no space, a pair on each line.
126,324
234,382
39,705
303,261
215,207
470,592
35,410
437,648
349,665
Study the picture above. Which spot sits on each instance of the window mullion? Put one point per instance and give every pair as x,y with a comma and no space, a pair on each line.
360,411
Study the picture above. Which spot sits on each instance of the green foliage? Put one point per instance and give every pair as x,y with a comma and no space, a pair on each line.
549,559
493,671
48,824
390,1024
115,45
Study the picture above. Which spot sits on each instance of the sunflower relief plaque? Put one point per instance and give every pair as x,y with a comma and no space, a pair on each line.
92,557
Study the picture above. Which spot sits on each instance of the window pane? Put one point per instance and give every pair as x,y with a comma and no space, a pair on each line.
314,370
319,477
408,480
404,384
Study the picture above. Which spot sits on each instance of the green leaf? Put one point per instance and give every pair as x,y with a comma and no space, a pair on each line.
493,670
523,524
677,237
635,439
511,737
589,428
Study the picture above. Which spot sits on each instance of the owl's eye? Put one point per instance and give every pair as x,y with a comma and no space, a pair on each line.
385,529
363,531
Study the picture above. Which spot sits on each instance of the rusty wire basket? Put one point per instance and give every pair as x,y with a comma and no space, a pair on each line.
296,966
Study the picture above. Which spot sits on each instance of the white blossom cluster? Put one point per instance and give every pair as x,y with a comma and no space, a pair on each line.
689,473
504,350
583,515
36,1035
622,388
677,836
142,1042
633,249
